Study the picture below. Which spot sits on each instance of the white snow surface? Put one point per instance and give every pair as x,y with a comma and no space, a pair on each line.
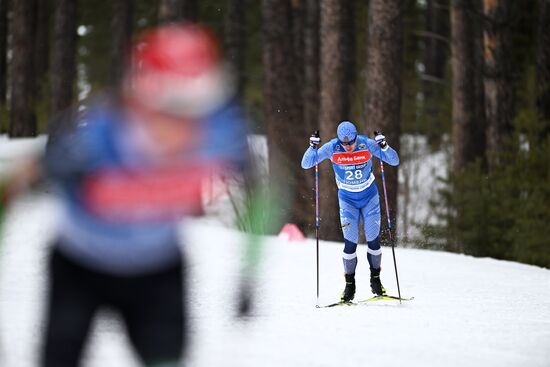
466,312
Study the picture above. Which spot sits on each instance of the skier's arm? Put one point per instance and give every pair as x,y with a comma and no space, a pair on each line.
387,154
63,159
69,150
312,155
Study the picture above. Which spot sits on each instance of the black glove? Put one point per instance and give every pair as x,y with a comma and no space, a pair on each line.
380,139
314,140
244,300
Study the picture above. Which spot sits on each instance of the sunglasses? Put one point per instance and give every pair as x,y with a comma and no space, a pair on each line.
348,142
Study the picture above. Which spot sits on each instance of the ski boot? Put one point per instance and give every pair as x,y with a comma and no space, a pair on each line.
349,291
375,284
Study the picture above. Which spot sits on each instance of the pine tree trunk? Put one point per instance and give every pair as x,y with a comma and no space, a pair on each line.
63,64
311,65
437,26
3,51
436,53
286,136
178,10
42,44
543,66
298,21
121,26
334,106
499,97
466,124
478,130
190,10
383,89
311,77
348,53
22,113
235,40
169,11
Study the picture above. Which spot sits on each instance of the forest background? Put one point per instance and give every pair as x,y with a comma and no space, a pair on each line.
470,77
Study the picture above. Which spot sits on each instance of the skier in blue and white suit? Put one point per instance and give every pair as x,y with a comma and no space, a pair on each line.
126,173
351,157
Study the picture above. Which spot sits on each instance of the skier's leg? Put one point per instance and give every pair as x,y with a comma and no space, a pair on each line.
153,308
371,222
71,305
349,220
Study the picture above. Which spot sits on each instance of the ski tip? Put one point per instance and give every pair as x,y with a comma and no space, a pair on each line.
386,298
341,303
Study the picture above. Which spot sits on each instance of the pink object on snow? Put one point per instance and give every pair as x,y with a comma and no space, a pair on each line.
291,232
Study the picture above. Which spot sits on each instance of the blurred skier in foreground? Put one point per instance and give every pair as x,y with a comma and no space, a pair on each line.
351,157
127,173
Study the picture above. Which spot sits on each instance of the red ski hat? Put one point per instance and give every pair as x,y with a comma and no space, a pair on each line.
178,69
185,50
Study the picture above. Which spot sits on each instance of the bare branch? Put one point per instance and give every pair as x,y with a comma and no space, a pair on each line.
427,34
431,78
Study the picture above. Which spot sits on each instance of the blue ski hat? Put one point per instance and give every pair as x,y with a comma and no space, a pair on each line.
346,131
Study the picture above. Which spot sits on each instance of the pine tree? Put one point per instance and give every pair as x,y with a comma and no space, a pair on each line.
383,89
334,104
63,64
22,112
286,135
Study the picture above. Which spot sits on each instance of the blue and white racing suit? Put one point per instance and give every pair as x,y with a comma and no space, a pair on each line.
122,208
357,193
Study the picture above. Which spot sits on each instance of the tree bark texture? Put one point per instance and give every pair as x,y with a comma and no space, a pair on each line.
3,50
348,52
121,26
311,65
287,138
235,41
435,58
499,97
383,89
478,130
466,129
63,63
436,49
22,112
178,10
42,43
543,66
298,41
190,10
334,106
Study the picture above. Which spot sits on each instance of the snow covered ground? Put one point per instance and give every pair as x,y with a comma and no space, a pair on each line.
466,312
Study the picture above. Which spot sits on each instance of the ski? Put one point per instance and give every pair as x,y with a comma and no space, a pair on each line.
341,303
384,298
366,301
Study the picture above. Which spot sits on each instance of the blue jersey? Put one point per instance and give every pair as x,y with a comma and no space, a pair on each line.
122,208
352,170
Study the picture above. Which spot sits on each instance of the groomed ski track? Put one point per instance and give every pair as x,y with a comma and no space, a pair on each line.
466,312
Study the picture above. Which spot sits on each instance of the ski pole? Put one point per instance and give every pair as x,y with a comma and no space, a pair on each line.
317,218
389,222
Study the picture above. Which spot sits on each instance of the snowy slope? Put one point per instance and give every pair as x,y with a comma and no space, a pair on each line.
466,312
